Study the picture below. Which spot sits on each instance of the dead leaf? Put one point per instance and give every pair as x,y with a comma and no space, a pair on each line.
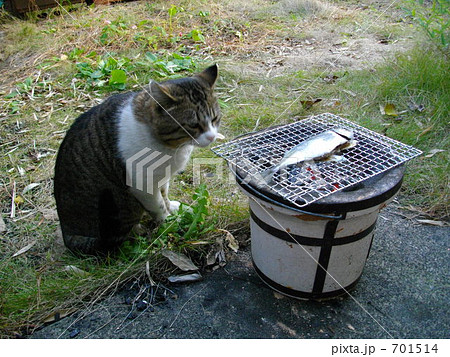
180,260
30,187
431,222
426,130
331,78
24,249
413,107
353,94
232,242
350,327
333,103
198,242
307,104
278,296
147,271
75,270
221,258
216,252
286,329
211,257
433,152
2,225
58,315
184,278
49,214
388,109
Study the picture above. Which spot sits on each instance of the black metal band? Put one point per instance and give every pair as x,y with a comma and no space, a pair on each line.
324,257
319,207
317,242
302,294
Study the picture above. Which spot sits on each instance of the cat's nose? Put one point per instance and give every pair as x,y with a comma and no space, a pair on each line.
210,137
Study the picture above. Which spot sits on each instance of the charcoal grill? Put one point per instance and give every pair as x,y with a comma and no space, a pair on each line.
312,225
251,155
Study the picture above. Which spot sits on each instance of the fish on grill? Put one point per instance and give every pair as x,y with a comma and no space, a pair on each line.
317,148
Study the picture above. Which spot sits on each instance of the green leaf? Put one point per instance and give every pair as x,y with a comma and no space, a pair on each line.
97,74
173,10
118,78
111,63
84,69
151,57
12,94
197,36
161,31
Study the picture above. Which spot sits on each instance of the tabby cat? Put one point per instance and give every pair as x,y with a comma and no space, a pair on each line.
96,201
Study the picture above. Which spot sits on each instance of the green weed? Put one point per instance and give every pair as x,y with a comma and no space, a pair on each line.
173,10
163,66
196,35
113,31
190,222
104,71
434,20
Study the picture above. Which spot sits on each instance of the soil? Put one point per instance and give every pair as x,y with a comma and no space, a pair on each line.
329,46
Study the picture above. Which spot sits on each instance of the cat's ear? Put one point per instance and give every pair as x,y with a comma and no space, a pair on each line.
162,92
210,75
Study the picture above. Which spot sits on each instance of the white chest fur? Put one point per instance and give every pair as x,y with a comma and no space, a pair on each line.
149,163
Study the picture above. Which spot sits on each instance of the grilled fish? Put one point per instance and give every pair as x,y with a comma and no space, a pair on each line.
318,147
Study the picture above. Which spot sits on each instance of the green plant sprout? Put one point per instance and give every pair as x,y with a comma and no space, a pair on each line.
434,20
190,222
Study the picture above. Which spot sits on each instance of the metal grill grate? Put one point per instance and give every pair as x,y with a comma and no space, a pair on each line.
252,154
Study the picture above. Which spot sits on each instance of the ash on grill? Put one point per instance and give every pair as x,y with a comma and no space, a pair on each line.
251,155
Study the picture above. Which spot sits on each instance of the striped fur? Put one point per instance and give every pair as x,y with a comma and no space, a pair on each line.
96,208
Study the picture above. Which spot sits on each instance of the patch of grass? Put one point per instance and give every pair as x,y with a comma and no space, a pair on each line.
434,18
418,83
301,8
47,281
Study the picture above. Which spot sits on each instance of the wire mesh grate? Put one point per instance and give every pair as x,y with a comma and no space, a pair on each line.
249,156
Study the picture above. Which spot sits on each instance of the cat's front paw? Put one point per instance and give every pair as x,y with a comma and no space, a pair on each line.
174,206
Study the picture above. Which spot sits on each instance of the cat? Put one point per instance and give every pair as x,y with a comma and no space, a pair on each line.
98,202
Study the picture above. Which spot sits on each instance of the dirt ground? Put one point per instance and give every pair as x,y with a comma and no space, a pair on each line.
331,41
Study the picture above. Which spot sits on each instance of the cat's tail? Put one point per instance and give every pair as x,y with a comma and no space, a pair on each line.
108,236
82,245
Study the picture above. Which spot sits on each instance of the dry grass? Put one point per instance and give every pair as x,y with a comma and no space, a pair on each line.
303,8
